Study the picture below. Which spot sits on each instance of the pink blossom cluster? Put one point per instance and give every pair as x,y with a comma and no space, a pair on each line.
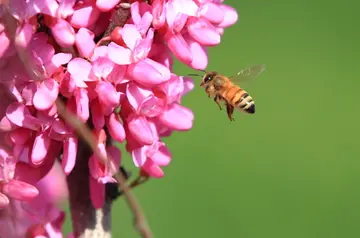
126,88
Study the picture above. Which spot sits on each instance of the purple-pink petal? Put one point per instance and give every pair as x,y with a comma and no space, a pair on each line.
20,190
24,35
162,156
97,193
200,57
84,16
115,155
20,115
130,35
116,129
79,68
63,33
4,200
177,117
108,97
139,156
203,32
46,94
149,72
230,16
212,12
140,129
40,148
84,41
82,104
119,55
106,5
97,115
179,47
69,154
136,94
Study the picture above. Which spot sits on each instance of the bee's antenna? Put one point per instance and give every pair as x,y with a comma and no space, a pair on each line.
195,75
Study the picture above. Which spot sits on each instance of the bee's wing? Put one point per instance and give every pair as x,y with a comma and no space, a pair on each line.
248,73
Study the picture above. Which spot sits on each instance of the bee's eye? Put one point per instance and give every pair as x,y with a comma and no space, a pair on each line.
208,78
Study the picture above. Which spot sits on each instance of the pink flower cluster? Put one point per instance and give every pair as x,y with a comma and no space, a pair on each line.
126,88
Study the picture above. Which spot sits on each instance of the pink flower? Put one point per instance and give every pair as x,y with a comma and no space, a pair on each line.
51,52
190,26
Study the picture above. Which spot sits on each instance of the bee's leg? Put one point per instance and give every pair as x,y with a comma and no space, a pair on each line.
230,111
217,100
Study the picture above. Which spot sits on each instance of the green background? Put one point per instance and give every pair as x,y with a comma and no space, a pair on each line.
292,170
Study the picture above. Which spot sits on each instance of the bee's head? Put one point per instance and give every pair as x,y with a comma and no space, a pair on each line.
208,77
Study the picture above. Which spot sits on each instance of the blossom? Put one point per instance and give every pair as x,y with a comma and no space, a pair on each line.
51,53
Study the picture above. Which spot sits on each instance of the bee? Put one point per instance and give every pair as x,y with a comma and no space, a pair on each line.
223,88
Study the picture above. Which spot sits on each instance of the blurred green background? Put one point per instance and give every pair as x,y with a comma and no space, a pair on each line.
293,168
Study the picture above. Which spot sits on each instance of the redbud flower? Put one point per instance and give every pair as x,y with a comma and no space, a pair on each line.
54,51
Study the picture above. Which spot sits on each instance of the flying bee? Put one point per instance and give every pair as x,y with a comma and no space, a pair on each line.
223,88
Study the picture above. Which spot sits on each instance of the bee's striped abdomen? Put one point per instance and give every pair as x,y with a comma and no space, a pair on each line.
245,103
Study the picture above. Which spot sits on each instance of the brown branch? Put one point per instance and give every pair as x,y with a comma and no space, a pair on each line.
87,135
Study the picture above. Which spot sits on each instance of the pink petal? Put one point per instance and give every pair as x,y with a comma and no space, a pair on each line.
85,15
136,95
79,68
139,156
115,155
140,129
145,23
175,19
69,154
152,169
130,35
200,57
177,117
179,47
20,190
119,55
4,201
20,136
97,193
162,157
212,12
66,8
97,115
187,7
5,43
7,125
84,40
143,47
203,32
106,5
108,97
24,35
46,94
116,129
230,16
20,115
158,11
28,93
82,104
173,88
48,7
102,67
40,148
60,59
149,72
63,33
188,85
117,74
